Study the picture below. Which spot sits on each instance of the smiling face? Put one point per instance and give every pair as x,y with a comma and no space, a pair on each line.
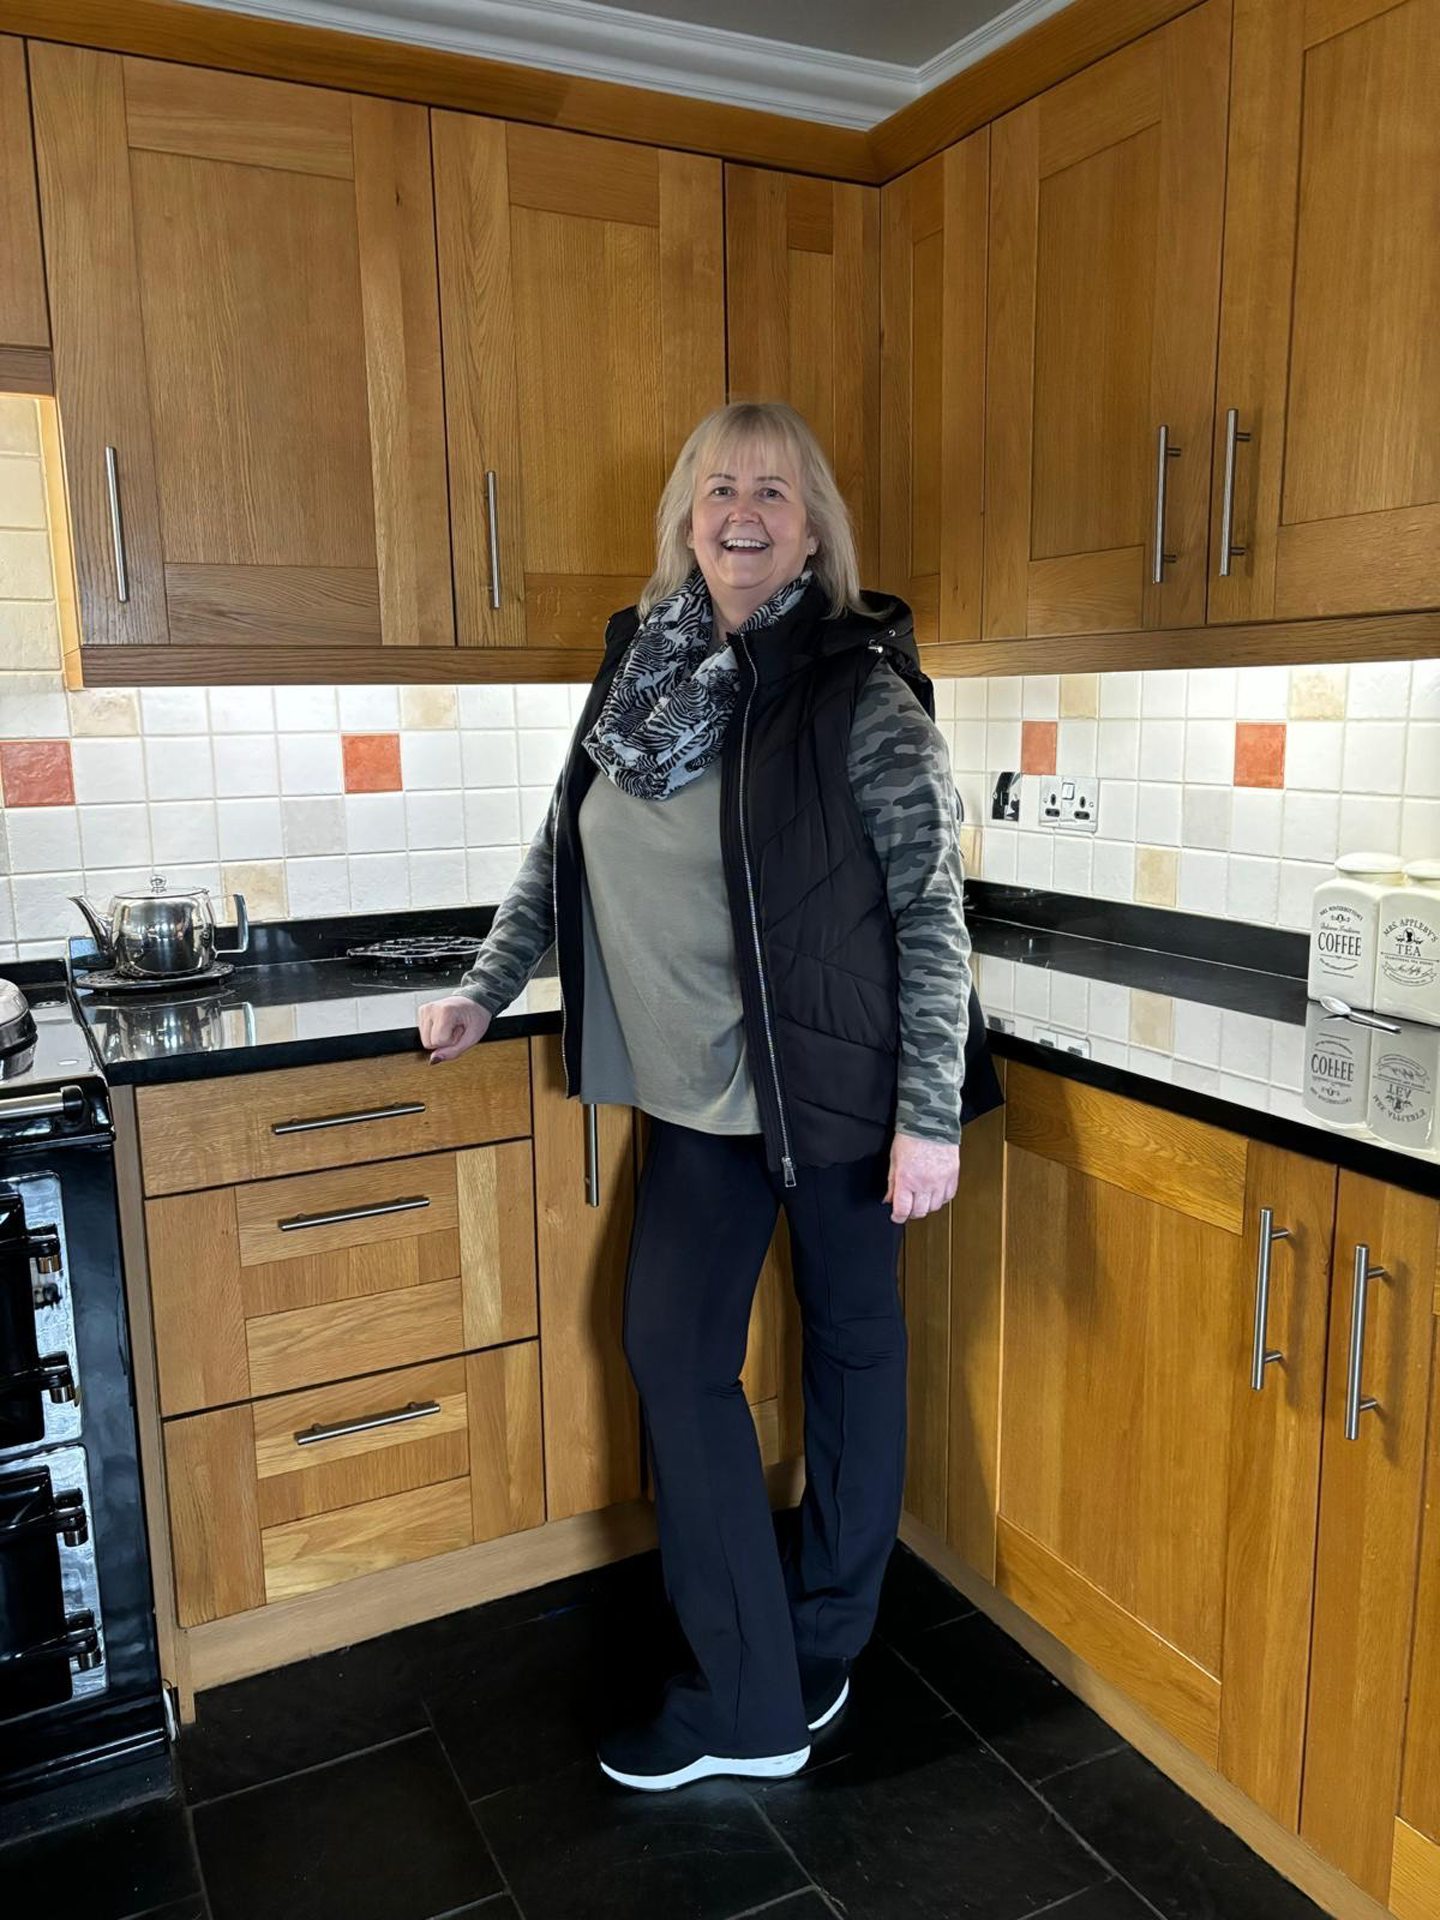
748,527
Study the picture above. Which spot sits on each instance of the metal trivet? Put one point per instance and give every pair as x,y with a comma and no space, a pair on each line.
418,950
106,980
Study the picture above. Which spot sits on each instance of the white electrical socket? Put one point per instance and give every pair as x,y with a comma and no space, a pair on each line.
1071,802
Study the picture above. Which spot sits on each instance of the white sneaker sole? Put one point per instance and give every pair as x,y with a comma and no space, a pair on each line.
769,1766
831,1711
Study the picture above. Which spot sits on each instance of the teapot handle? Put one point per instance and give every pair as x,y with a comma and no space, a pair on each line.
242,927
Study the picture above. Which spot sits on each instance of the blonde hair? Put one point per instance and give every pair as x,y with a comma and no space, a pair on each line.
749,423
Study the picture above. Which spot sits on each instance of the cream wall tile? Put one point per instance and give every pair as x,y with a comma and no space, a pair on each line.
1079,696
184,830
538,705
542,754
33,707
437,878
1152,1020
1425,690
174,710
245,764
1155,876
1369,822
1298,881
1262,693
1120,696
1076,745
22,491
967,745
1210,751
489,872
1112,869
305,710
107,770
1070,863
19,424
1162,693
1157,813
179,769
487,706
369,709
1253,889
1118,809
1201,882
1317,693
429,707
1002,701
263,884
1420,830
492,817
1378,690
968,699
1255,820
1002,746
1040,696
379,881
1205,817
1000,852
25,567
1313,750
241,710
1033,855
1117,749
1210,693
1162,749
1374,757
29,636
432,759
1422,761
42,906
42,839
250,829
434,820
310,762
943,688
317,887
1312,826
375,822
100,711
489,758
114,836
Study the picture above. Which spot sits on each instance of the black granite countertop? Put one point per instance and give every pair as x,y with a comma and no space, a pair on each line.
1219,1029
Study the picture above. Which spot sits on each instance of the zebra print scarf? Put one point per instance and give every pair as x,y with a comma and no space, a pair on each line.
667,709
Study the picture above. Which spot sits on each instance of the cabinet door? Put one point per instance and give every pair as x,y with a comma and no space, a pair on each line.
1329,353
591,1415
802,296
1370,1505
247,356
1105,212
583,310
1152,1506
1415,1863
23,318
933,388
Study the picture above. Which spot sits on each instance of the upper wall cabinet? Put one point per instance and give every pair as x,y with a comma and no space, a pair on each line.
802,296
582,298
23,318
1328,414
1106,197
247,356
933,375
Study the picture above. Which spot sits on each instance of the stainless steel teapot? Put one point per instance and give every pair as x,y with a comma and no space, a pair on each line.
161,935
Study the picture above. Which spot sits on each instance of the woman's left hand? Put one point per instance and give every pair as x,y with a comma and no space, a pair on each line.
923,1176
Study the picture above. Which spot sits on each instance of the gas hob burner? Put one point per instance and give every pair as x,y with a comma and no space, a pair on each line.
418,950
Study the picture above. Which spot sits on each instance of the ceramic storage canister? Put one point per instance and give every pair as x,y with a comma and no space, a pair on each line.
1407,968
1344,923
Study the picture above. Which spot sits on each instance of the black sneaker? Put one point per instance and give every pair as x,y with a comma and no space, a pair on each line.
655,1759
825,1687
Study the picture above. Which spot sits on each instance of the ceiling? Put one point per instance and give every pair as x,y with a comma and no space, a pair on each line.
850,62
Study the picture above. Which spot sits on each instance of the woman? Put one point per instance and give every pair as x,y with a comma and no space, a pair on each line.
760,942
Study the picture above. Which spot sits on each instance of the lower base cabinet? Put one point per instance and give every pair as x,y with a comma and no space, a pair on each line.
286,1495
1140,1410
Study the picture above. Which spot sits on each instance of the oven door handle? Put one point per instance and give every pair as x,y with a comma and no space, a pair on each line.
80,1641
64,1515
53,1374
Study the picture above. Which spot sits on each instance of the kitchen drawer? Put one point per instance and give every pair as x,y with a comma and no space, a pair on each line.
280,1284
210,1133
259,1514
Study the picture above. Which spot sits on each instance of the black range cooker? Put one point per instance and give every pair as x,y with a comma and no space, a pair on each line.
80,1686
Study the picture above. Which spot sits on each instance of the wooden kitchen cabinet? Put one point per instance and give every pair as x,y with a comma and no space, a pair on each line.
24,317
583,314
802,298
1106,202
1155,1512
1328,346
932,436
1370,1788
247,356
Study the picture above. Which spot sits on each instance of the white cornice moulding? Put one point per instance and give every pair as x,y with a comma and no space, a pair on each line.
668,56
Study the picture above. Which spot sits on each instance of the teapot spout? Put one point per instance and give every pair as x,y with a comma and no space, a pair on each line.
100,925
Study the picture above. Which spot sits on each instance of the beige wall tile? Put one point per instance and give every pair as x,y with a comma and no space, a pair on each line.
29,636
263,884
1317,693
104,710
1152,1020
25,567
970,849
1079,696
19,426
427,706
22,491
1155,870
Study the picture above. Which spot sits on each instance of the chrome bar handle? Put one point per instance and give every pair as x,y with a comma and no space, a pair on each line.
1354,1405
297,1221
41,1106
117,529
592,1156
396,1112
492,514
337,1429
1260,1356
1164,452
1228,550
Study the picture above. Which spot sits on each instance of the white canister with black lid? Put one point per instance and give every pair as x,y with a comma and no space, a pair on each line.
1344,926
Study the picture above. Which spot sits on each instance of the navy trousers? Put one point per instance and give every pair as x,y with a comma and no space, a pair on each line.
705,1213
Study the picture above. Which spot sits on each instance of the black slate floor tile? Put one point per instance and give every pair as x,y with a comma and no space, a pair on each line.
109,1869
887,1700
1009,1698
914,1599
930,1828
1113,1900
302,1715
385,1835
809,1905
578,1847
1168,1847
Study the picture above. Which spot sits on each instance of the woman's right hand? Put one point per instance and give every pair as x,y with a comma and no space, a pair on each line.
449,1026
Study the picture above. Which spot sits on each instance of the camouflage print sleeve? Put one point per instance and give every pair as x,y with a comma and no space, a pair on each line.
900,775
523,929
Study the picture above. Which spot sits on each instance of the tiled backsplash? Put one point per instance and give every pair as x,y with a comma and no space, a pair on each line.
1220,791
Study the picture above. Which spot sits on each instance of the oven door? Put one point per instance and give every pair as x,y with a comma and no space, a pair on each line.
37,1336
48,1634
